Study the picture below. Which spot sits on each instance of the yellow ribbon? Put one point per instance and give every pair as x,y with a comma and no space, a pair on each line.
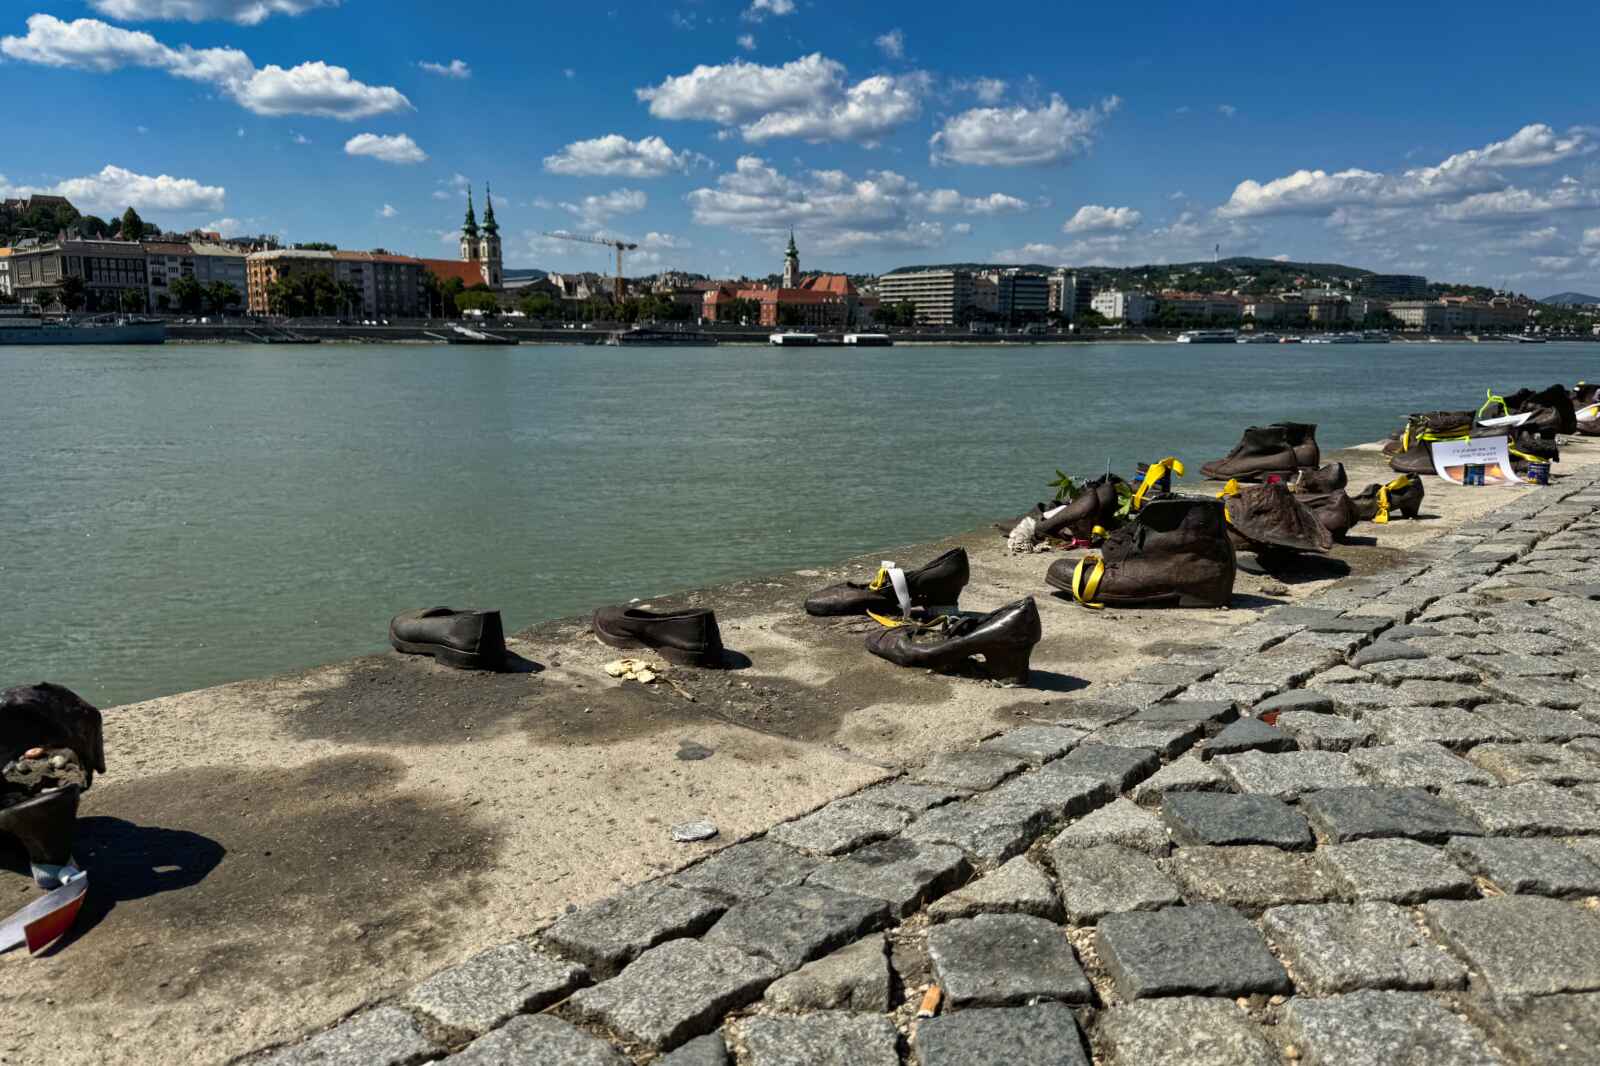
1153,474
1230,489
1491,401
896,623
1396,485
1525,455
880,580
1083,590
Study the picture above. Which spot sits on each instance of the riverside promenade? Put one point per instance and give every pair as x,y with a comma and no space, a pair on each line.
1119,863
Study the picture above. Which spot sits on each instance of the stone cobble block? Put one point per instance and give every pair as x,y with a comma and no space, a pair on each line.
1200,818
1385,651
1082,713
1357,697
1394,869
1001,960
1562,1030
853,978
1527,866
747,871
902,873
1247,734
1120,822
1210,715
1037,744
1372,1028
1539,724
1057,791
1529,643
675,992
1106,880
1343,947
1251,877
1532,809
1401,670
1425,765
708,1050
1186,1031
1538,666
1119,767
1259,636
1288,775
1243,694
833,1038
1521,945
383,1036
1177,673
1205,950
1135,694
494,985
791,926
971,770
1313,731
1169,739
1550,763
1187,774
1016,887
912,796
1345,814
1563,695
1297,700
988,832
538,1038
1442,694
1282,666
1043,1035
1450,726
607,935
840,826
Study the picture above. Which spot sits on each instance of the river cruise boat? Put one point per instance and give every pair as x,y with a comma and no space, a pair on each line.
22,327
661,338
794,340
867,340
1208,336
1259,338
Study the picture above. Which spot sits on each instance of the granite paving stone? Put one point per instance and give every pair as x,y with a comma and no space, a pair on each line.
1083,713
1226,692
383,1036
1394,869
675,992
794,925
1136,694
1521,945
1120,822
1357,698
1036,743
1425,669
972,770
494,985
1586,746
1560,1030
708,1050
1340,643
1197,818
912,796
1177,673
607,935
855,977
1282,666
1425,765
747,871
1527,865
1289,774
1187,774
1543,724
988,832
1056,791
1169,739
1453,727
1345,814
1512,665
1337,675
1001,960
840,826
1211,715
1371,1028
538,1038
903,873
1250,876
1185,1031
1545,692
1588,847
1385,651
1018,886
1550,763
1297,700
1315,731
1106,880
1442,694
1531,809
1119,767
832,1038
1042,1035
1247,734
1343,947
1204,949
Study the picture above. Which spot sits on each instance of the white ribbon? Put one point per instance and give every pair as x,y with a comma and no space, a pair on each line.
1055,511
902,591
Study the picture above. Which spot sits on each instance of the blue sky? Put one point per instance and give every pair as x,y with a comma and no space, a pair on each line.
1454,140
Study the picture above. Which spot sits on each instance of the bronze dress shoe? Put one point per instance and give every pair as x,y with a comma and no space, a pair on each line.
689,637
1175,552
466,640
937,584
1330,478
1377,503
1005,638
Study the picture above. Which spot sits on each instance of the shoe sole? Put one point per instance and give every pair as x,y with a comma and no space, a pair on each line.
454,657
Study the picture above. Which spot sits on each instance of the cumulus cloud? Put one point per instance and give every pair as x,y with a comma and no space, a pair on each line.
1512,203
809,98
987,90
597,210
396,148
456,68
243,12
1318,192
747,41
615,156
1591,241
1227,110
228,227
452,188
760,9
892,44
387,211
949,201
116,188
313,88
1019,136
1189,236
1092,218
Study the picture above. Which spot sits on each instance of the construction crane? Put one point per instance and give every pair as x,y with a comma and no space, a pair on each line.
620,246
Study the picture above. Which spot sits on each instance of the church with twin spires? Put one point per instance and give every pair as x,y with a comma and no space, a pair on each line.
481,245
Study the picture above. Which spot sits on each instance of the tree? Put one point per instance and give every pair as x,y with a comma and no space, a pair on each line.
131,301
740,310
71,295
477,301
132,228
188,294
540,305
317,246
220,295
93,227
350,296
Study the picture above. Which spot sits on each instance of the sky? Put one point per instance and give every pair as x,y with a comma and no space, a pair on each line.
1459,141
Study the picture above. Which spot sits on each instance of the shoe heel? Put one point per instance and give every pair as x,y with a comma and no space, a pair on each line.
1008,665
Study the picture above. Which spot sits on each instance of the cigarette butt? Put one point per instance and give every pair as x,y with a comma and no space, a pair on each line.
930,1002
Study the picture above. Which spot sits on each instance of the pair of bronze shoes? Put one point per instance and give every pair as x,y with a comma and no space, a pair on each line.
475,640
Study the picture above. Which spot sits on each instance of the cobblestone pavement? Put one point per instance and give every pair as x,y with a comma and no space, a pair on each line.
1365,831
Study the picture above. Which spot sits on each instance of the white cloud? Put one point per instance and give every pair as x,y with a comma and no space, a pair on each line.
1461,175
961,228
240,131
1188,237
747,41
615,156
597,210
1281,259
456,68
228,227
1227,110
453,188
949,201
808,98
892,44
142,130
313,88
1513,203
243,12
987,90
387,211
299,138
1555,264
1019,136
1092,218
760,9
396,148
117,188
663,240
1591,241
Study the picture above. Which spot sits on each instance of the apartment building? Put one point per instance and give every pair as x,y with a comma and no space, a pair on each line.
1070,294
108,269
1395,286
940,296
1132,308
5,271
391,286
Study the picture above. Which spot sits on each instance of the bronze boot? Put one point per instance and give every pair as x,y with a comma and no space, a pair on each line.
1263,450
1174,552
1262,517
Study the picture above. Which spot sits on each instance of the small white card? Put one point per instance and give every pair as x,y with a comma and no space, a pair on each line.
1452,457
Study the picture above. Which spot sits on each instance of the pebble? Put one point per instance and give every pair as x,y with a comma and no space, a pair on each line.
689,832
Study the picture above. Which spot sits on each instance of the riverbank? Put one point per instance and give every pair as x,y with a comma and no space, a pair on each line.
271,855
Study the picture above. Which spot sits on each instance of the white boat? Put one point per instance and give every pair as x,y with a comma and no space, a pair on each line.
19,328
1208,336
1374,336
794,340
868,340
1259,338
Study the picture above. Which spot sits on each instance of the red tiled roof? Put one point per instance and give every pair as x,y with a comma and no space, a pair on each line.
470,273
838,284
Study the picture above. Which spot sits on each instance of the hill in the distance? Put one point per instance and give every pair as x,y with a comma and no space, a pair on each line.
1243,264
1571,299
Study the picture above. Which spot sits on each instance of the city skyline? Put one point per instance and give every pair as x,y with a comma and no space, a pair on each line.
704,131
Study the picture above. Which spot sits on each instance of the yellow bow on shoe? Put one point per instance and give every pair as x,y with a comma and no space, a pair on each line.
1382,517
1153,474
1084,589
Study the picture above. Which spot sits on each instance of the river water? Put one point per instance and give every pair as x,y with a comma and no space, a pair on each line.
182,516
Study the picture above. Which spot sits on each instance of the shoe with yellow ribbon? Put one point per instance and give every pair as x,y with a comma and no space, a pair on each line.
1413,453
1175,552
936,585
1004,639
1378,503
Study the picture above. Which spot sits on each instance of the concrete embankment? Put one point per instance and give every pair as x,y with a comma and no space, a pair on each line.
271,855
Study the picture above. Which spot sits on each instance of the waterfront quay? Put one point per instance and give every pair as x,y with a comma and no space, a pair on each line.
385,862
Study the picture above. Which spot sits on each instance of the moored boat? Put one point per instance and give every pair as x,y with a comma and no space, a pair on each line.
18,327
1208,336
794,340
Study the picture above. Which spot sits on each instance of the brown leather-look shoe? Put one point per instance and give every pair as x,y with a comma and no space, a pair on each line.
1175,552
1303,440
1005,638
1263,450
1269,516
935,584
688,637
466,640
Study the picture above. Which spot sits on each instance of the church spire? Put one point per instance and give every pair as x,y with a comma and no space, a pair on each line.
791,264
490,226
470,227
